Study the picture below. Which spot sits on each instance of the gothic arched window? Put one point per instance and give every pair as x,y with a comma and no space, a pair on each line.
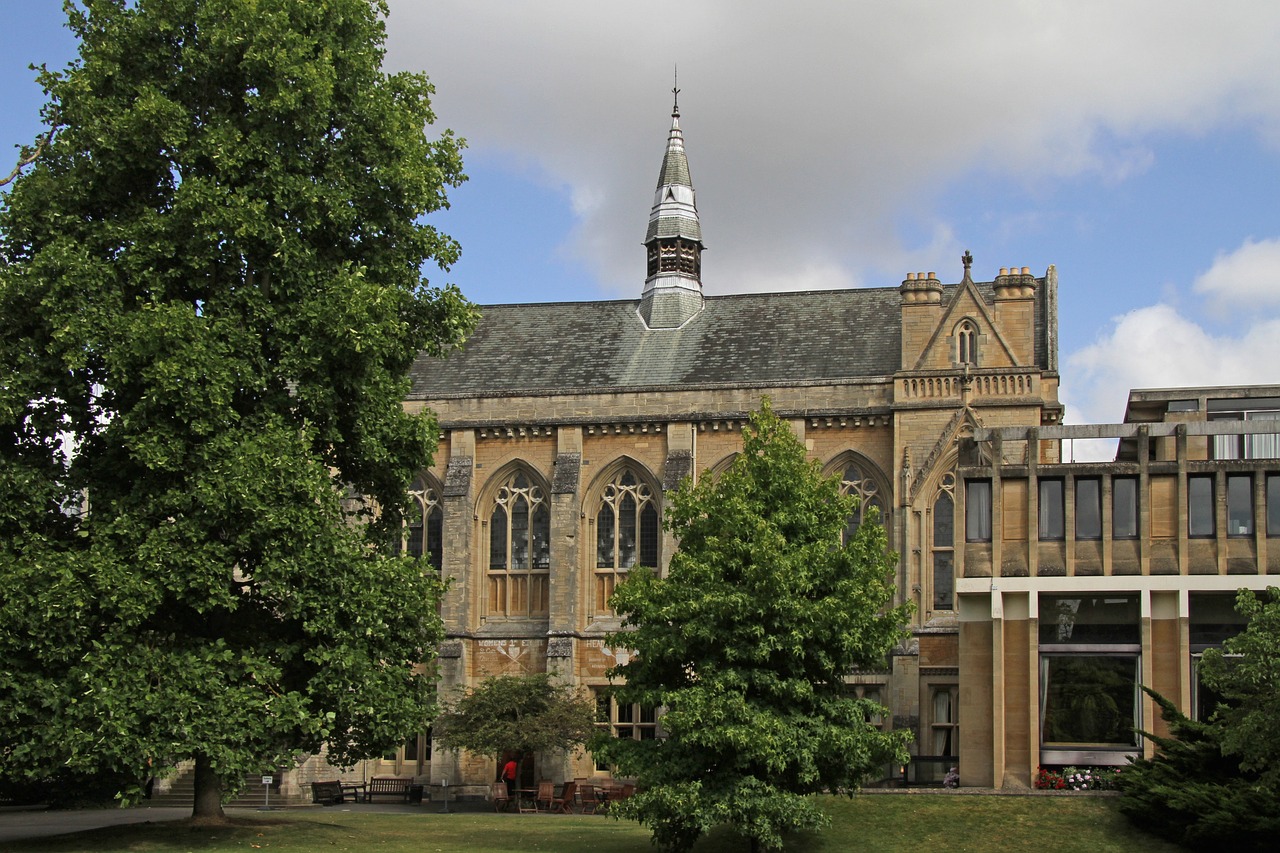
854,481
942,546
424,524
967,343
519,549
626,533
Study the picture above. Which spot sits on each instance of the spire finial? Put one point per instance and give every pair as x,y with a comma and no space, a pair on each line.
675,94
967,260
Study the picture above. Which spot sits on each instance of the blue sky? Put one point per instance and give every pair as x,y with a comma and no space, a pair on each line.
1133,145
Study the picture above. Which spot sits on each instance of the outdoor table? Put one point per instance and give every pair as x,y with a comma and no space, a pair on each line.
526,800
355,789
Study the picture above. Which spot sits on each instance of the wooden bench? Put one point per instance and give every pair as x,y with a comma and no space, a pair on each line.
327,793
388,786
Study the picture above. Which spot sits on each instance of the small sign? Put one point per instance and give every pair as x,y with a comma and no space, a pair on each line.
266,780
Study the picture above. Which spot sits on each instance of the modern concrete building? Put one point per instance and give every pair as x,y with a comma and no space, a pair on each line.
1079,581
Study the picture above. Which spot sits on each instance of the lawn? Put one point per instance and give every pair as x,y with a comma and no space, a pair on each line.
879,824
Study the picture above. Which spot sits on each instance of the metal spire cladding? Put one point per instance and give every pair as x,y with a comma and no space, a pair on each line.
673,244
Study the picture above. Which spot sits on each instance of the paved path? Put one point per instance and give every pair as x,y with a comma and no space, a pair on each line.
19,824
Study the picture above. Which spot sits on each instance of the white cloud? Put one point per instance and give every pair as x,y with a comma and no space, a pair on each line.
1247,278
1157,347
813,127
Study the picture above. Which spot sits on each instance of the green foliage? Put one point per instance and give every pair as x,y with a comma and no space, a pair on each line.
210,294
1193,793
746,643
528,713
1246,674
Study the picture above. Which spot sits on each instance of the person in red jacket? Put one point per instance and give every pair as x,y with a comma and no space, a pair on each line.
509,772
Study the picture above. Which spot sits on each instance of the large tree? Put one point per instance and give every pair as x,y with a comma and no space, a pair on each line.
746,643
210,294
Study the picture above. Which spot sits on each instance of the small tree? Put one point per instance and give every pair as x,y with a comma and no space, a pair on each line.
746,643
1246,674
1216,783
1194,794
524,713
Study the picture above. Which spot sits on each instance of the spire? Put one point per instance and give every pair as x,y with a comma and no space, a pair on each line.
673,244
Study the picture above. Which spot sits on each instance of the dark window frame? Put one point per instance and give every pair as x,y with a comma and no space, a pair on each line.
1051,520
1202,508
978,510
1132,498
1095,505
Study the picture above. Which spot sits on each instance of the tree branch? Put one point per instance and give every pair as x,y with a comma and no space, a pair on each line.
27,161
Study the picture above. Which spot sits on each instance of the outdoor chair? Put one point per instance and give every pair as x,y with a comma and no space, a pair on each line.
546,793
500,797
564,803
590,799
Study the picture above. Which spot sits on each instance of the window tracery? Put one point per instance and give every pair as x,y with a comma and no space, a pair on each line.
942,544
626,534
855,481
423,533
967,343
519,549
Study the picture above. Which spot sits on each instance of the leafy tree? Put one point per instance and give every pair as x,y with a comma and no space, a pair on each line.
524,713
1246,674
746,643
1195,794
210,294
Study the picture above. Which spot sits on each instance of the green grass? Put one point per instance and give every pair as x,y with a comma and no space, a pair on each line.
878,824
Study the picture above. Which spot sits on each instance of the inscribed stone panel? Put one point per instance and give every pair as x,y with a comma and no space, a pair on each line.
508,657
595,658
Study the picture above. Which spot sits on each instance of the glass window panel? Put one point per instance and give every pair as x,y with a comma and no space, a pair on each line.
435,537
1200,517
1266,446
1239,505
944,580
1213,619
1091,619
1124,508
627,532
414,535
498,538
1052,517
1227,447
944,521
520,534
1089,508
1089,701
1273,504
978,510
541,536
604,538
649,536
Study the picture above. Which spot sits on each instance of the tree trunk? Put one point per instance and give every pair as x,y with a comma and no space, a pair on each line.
208,799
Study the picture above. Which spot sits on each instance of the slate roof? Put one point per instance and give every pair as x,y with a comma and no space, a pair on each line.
746,340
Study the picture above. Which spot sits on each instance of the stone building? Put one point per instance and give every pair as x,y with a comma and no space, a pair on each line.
566,425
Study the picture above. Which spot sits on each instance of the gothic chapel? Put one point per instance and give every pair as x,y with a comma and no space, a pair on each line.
565,425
